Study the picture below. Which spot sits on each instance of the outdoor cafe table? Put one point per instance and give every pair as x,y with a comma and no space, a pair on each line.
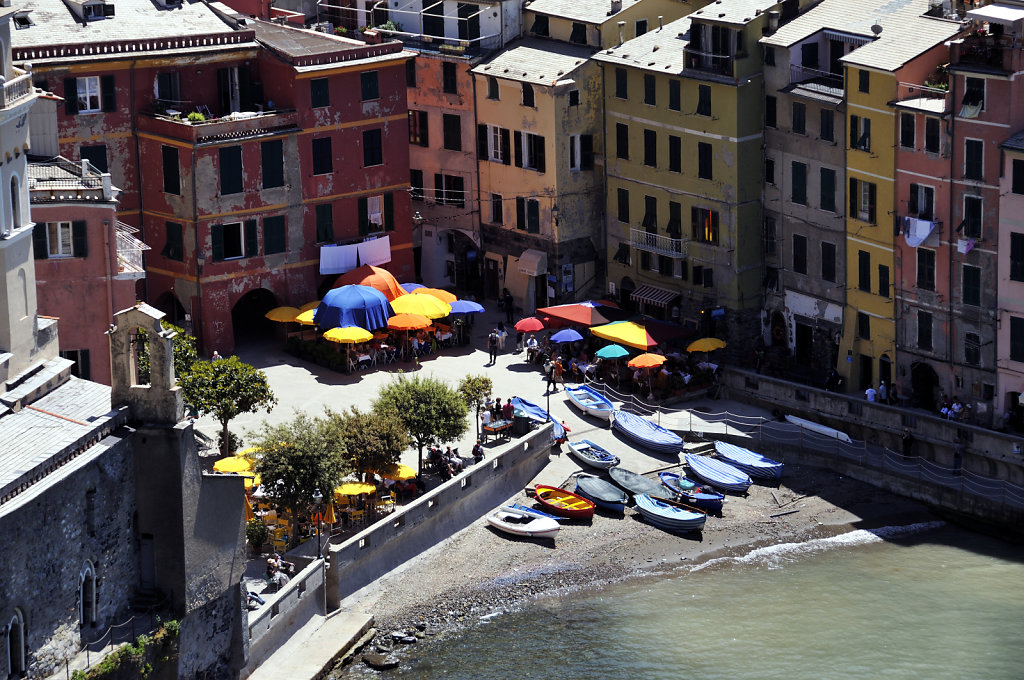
497,428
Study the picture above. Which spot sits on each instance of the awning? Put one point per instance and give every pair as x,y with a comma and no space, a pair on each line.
533,262
652,295
997,14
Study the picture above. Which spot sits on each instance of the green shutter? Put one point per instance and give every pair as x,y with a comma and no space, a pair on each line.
853,198
39,244
520,212
108,94
389,211
217,241
364,216
517,142
71,96
79,239
252,243
274,235
481,142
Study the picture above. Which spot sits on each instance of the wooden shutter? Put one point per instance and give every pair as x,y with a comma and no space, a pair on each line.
363,210
871,202
539,152
108,94
79,239
71,96
217,242
439,196
424,129
586,152
520,212
517,141
39,244
533,216
83,364
913,207
389,211
481,142
244,92
854,201
506,147
252,243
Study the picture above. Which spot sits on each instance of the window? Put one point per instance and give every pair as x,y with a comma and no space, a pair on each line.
452,130
621,89
1016,338
769,112
581,152
675,102
230,170
675,220
574,97
703,100
828,124
972,349
864,271
650,222
369,86
974,159
907,130
1016,256
650,148
82,95
416,187
883,280
675,154
974,93
449,78
828,261
540,25
704,169
622,141
799,182
864,84
769,170
60,239
860,133
274,239
863,326
377,213
168,89
924,330
530,151
921,202
419,132
497,212
827,189
272,163
528,99
1018,176
931,135
769,56
799,118
925,269
449,190
373,148
96,155
704,225
325,220
862,200
172,176
769,235
87,595
528,215
640,27
971,285
319,93
623,205
323,159
799,254
579,33
492,88
809,55
650,90
410,73
174,246
494,144
234,240
972,217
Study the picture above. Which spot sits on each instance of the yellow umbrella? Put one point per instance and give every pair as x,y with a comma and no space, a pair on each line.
626,333
354,488
306,317
250,482
329,517
705,345
249,514
282,314
348,335
439,293
238,464
425,305
400,473
309,305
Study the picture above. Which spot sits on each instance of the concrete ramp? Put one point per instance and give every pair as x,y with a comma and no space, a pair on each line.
313,650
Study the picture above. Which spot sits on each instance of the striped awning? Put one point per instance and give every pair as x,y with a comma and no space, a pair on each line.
652,295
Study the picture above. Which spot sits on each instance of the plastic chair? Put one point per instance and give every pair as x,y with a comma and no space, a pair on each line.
358,516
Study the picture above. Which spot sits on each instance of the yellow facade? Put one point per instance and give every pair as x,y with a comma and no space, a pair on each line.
606,33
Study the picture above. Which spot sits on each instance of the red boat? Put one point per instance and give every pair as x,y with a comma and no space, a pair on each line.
564,503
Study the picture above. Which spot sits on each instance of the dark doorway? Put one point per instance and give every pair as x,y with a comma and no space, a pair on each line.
169,305
885,370
836,50
866,371
778,330
491,279
925,384
147,563
469,21
804,343
247,316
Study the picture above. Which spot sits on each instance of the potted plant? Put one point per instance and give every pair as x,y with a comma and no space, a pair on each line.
256,535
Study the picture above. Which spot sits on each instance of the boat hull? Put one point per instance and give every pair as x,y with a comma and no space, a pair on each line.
590,402
634,483
520,523
669,516
564,503
694,494
604,494
647,434
754,464
718,473
589,453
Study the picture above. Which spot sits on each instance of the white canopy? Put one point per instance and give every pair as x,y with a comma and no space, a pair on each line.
1006,15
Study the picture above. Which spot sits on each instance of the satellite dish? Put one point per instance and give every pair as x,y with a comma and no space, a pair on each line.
876,29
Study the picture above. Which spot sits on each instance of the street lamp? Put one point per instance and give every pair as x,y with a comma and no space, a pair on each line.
319,498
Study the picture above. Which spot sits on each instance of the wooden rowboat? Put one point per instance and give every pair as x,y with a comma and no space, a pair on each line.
754,464
593,455
564,503
646,433
634,483
692,493
719,473
590,401
605,494
522,523
670,516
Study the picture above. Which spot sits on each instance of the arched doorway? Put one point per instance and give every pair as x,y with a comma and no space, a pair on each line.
247,316
87,595
925,383
16,645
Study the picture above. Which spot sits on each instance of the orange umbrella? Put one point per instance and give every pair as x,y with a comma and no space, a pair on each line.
408,322
647,361
378,278
439,293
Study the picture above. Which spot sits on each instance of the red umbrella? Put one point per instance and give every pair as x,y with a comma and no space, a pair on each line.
576,313
530,324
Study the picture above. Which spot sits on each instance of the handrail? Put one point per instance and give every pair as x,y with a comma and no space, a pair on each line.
87,647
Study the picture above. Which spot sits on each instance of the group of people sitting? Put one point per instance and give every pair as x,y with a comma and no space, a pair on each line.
448,463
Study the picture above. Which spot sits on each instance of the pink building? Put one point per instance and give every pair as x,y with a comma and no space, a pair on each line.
1010,338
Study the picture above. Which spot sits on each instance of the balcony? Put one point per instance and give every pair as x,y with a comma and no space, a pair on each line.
821,82
17,88
984,52
657,244
238,125
718,64
926,98
129,253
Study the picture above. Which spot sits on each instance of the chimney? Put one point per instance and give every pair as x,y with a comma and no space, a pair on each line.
108,191
616,6
773,20
622,32
661,22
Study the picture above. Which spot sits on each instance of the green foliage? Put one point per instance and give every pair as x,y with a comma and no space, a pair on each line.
318,351
431,411
226,388
234,443
373,440
475,390
134,658
196,117
389,25
183,345
256,533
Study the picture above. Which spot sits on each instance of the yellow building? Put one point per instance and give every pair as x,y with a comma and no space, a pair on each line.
601,24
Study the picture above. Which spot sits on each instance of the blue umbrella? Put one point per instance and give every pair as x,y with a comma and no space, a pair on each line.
568,335
612,351
353,305
410,287
466,307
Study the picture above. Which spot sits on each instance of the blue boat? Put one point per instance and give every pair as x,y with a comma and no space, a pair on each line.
604,494
593,455
669,516
540,415
692,493
646,433
719,473
532,511
590,401
754,464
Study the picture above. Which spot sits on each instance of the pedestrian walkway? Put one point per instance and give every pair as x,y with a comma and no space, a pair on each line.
313,648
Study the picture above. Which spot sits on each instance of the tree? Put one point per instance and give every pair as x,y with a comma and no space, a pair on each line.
475,391
431,411
226,388
373,441
297,459
184,347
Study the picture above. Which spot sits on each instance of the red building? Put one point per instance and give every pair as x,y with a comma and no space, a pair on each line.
241,147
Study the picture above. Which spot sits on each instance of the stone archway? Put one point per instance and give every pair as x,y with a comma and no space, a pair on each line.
247,316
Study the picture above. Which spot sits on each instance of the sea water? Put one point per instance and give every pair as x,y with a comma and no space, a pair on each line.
920,601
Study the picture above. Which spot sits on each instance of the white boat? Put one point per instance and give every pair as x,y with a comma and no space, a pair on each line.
593,455
590,401
818,428
523,523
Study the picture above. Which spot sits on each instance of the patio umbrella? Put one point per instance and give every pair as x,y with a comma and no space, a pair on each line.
348,335
252,481
408,322
439,293
237,464
584,314
705,345
626,333
646,361
530,324
612,351
283,314
399,473
466,307
354,488
309,305
425,305
307,317
249,514
353,305
410,287
329,516
568,335
375,277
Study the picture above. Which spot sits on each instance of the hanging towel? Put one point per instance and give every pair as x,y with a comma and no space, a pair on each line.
375,252
964,245
970,110
915,231
337,259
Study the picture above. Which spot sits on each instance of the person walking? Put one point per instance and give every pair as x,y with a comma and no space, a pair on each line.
558,371
510,306
549,368
871,394
502,336
883,392
492,347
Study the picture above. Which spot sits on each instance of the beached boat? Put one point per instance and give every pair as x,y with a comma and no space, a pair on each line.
719,473
522,523
692,493
754,464
532,511
590,401
593,455
538,414
564,503
634,483
604,494
646,433
818,428
670,516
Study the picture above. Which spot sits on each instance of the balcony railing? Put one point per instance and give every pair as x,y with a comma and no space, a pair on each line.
985,50
129,250
17,88
721,64
818,81
234,125
656,243
935,99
